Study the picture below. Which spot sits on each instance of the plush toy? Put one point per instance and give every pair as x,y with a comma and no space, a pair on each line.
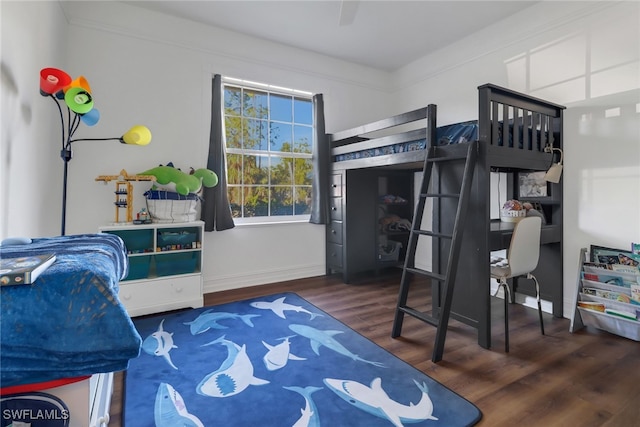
170,178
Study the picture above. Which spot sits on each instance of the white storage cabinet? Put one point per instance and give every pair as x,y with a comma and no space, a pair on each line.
165,266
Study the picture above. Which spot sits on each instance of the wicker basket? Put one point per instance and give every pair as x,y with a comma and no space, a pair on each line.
166,206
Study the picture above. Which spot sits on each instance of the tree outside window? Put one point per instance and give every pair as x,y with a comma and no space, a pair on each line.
269,144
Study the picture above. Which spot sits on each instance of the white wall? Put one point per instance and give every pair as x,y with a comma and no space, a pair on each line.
30,167
584,55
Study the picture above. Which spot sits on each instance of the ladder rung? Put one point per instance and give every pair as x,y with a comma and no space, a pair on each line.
447,158
432,234
441,195
419,315
426,273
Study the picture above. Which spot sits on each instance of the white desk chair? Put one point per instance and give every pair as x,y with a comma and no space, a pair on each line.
522,259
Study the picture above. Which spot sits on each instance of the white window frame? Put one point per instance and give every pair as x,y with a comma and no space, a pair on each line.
278,90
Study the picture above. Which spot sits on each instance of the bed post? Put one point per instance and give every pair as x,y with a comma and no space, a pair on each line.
432,112
484,114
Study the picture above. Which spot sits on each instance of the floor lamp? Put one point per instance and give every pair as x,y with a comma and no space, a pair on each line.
75,96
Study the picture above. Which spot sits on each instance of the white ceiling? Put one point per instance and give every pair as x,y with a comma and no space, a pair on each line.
383,34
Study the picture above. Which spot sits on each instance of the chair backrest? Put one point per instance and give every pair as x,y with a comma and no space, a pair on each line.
524,250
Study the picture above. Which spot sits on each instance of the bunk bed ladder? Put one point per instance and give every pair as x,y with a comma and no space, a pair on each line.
449,277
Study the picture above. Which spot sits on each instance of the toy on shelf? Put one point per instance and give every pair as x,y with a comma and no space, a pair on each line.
124,193
170,178
142,217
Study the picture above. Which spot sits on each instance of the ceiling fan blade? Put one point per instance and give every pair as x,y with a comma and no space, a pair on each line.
348,9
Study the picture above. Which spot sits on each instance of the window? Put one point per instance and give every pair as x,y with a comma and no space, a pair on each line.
270,136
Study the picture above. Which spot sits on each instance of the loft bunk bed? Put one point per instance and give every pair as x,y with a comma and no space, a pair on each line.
375,160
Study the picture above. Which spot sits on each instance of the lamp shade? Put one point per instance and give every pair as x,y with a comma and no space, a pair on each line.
90,118
554,173
53,80
137,135
78,100
555,170
80,82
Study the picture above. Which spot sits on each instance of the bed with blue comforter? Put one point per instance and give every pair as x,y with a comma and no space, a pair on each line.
69,322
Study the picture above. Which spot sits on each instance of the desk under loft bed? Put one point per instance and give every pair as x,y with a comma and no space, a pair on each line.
369,174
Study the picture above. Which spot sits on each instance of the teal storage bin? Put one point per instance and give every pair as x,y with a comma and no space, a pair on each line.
138,267
181,263
177,237
136,241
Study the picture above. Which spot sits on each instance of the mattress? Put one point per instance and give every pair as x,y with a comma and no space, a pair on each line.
451,134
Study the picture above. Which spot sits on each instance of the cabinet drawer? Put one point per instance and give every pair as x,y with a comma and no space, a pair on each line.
152,296
335,232
336,186
335,207
334,255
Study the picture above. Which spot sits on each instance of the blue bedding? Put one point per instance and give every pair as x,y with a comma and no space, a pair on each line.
69,322
451,134
456,133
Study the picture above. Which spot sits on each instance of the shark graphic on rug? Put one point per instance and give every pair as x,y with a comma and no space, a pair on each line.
318,338
279,307
234,374
309,417
171,411
278,355
375,401
160,343
209,319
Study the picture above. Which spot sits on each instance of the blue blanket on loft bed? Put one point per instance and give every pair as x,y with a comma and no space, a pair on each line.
69,322
450,134
456,133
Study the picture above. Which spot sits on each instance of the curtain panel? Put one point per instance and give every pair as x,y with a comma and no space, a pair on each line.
320,158
216,211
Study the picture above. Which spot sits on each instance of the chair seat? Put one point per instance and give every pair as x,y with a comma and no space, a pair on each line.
500,272
500,268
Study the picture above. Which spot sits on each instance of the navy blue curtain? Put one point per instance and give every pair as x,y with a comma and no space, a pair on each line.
320,179
216,211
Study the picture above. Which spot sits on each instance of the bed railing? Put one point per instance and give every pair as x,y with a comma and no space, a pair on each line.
356,139
532,123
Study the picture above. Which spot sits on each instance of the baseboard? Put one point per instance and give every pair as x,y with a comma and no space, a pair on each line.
243,280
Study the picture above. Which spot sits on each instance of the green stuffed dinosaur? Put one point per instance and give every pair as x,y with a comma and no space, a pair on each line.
172,179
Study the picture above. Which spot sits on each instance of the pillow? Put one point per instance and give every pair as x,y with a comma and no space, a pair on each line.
12,241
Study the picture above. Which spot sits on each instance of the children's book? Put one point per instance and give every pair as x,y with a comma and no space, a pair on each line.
24,270
604,278
635,293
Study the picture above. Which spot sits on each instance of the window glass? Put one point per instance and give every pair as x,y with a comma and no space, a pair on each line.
269,140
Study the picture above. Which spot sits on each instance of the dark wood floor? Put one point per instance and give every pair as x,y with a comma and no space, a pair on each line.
590,378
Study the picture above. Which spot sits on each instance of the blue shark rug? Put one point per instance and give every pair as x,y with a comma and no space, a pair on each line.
276,361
